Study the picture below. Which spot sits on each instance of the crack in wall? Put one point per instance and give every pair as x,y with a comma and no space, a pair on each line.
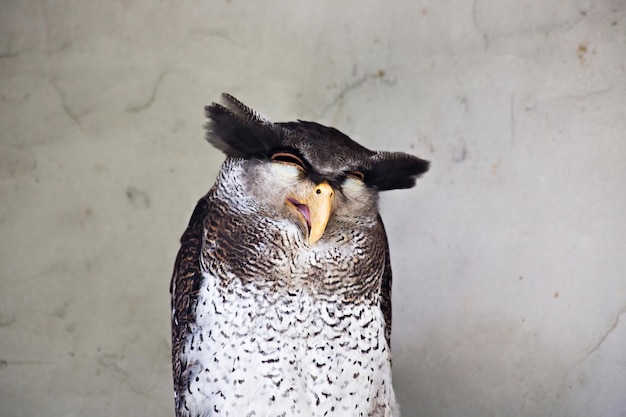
545,29
213,34
478,28
562,385
585,95
47,27
66,108
137,108
604,337
113,362
380,74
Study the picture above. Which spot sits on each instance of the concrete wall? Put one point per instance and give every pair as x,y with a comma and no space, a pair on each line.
509,257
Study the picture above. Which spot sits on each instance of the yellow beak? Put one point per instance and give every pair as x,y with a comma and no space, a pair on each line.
316,209
320,204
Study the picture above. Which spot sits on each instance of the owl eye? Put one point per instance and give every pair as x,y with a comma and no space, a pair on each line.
288,158
288,165
356,175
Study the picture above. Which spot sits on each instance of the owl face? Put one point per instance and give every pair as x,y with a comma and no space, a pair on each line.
288,186
312,175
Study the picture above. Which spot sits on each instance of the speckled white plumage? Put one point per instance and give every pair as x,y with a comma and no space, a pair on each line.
287,356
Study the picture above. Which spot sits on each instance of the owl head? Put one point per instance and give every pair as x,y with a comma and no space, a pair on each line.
310,174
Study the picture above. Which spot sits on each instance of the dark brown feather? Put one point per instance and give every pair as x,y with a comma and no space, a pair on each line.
385,287
184,287
239,131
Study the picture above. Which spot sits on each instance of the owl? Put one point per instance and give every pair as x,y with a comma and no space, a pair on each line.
281,291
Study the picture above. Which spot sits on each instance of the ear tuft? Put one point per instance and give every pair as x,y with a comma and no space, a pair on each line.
239,131
395,170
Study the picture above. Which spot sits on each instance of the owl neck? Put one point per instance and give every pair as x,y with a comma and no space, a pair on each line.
229,184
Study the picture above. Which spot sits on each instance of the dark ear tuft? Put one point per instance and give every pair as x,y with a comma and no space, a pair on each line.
239,131
395,170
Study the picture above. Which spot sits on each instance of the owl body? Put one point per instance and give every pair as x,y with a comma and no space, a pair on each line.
281,289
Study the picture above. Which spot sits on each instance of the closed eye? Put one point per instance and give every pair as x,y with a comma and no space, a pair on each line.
288,158
356,175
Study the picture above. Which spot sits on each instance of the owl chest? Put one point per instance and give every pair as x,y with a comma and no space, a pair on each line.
274,256
289,355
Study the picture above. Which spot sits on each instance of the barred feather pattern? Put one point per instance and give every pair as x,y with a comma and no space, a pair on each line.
264,325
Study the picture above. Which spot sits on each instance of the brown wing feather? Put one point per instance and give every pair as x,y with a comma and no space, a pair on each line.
385,289
184,287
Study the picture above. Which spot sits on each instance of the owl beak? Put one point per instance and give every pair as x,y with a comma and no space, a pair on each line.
320,203
316,209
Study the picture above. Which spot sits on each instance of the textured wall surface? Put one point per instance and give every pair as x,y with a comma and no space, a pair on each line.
509,256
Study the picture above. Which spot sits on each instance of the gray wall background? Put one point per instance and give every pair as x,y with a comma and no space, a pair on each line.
509,256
